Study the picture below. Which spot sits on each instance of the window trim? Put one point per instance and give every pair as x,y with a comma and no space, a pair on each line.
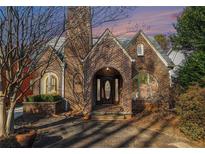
47,77
142,50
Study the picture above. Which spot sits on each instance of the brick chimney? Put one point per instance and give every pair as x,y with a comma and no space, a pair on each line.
79,31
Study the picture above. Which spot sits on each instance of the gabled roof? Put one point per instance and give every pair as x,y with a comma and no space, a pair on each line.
177,57
106,33
57,45
156,47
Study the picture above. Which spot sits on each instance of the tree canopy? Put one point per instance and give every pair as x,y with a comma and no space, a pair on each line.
162,40
193,72
190,28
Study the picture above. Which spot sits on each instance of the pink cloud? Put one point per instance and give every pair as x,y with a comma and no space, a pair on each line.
153,22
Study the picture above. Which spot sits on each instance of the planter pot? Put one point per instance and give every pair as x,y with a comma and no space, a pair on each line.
86,117
26,139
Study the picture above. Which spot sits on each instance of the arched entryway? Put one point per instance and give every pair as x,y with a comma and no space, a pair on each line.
107,86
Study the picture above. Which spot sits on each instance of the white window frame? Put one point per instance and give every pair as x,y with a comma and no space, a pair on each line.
44,84
141,46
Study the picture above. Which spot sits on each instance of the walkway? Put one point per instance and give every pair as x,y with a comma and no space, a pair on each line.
74,132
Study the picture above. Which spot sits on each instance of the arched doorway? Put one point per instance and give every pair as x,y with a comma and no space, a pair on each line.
107,86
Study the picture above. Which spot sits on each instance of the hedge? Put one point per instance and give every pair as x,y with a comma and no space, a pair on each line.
44,98
191,109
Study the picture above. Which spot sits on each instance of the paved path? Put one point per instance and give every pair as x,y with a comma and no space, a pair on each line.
70,132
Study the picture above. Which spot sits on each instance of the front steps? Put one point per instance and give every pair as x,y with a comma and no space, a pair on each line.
109,112
110,116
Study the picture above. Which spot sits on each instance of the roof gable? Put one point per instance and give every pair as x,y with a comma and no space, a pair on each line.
155,46
51,50
107,33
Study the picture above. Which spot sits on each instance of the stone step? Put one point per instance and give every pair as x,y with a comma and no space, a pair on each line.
110,117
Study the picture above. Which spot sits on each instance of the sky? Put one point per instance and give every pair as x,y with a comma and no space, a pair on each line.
152,20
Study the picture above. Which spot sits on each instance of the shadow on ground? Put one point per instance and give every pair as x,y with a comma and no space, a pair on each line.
74,132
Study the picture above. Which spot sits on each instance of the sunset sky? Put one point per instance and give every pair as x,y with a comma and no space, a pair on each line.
152,20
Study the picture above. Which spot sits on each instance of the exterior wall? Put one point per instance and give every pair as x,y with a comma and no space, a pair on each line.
25,85
151,64
55,67
79,44
42,108
108,54
74,80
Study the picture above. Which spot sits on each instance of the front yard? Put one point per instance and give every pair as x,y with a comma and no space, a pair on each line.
142,131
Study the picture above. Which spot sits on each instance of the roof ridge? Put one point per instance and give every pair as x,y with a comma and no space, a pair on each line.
107,31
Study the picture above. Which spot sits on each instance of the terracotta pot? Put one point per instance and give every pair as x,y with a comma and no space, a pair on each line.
27,139
86,117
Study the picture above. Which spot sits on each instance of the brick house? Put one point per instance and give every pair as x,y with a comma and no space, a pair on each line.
108,75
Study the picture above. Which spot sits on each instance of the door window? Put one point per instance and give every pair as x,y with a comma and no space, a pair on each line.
107,89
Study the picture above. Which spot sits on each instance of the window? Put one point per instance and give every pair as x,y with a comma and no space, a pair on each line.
140,50
107,89
49,84
147,86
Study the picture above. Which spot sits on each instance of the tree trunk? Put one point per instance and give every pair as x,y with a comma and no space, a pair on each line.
10,119
2,117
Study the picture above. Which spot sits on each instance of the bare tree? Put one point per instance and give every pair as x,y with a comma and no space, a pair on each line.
24,35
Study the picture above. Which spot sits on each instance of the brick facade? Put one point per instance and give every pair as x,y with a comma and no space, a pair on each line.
109,53
55,67
83,60
151,63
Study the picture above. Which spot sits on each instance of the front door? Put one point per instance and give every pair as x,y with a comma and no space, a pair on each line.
105,90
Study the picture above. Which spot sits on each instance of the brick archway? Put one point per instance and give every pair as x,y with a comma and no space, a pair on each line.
107,86
108,53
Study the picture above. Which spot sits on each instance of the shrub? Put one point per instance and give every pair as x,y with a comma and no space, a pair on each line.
191,109
44,98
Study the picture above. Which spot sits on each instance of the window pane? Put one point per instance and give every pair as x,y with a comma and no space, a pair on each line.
140,49
98,89
148,86
107,89
116,90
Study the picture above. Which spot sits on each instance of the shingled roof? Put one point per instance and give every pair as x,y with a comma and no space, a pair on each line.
161,51
124,42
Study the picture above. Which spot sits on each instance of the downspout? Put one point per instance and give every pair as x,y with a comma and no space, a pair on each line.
63,80
63,85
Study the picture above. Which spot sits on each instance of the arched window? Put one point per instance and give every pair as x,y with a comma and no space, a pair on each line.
50,83
140,50
147,86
